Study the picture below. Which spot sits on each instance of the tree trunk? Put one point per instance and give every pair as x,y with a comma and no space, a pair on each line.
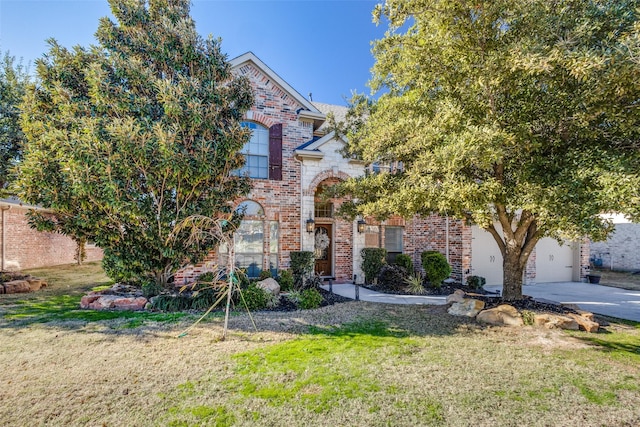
512,272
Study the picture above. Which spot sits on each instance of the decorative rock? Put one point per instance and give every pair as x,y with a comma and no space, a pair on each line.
554,321
15,287
457,296
502,315
468,307
86,300
584,322
134,304
105,302
35,284
270,285
587,315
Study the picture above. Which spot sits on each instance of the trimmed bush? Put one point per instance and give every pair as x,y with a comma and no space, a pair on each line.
372,261
404,260
302,264
254,298
392,277
476,282
285,280
435,267
310,298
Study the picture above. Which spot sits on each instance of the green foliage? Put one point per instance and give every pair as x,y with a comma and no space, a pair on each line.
302,265
436,267
414,284
151,289
476,282
285,280
528,317
404,260
254,298
310,298
128,139
391,277
525,130
265,274
372,261
14,78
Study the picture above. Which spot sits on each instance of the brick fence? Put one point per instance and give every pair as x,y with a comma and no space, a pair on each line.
22,247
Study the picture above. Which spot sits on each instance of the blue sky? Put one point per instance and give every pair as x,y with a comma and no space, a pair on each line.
321,46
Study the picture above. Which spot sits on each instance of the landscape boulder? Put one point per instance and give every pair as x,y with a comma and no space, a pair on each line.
457,296
15,287
502,315
118,297
585,322
270,285
556,321
467,307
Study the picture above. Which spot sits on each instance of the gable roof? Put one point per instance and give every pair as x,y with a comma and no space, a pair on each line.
309,111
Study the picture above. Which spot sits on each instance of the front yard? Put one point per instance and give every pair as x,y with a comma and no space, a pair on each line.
350,364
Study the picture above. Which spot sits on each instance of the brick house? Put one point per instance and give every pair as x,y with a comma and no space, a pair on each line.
292,158
23,247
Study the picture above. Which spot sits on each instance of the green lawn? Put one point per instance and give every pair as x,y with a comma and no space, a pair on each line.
352,364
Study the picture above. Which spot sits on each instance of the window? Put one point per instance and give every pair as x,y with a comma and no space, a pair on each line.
256,152
393,242
249,241
250,208
323,210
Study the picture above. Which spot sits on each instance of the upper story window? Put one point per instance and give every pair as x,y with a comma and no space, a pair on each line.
256,152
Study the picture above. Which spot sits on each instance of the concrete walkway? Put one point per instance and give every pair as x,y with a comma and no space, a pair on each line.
605,300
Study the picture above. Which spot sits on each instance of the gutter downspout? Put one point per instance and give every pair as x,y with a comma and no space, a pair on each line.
4,243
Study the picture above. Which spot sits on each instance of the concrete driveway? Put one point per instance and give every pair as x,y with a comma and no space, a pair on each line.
606,300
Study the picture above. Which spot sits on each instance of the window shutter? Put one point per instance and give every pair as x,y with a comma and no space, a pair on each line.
275,152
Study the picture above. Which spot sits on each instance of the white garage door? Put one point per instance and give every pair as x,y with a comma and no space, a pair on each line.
554,262
486,258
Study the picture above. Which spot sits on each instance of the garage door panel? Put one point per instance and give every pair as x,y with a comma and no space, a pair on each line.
486,258
554,262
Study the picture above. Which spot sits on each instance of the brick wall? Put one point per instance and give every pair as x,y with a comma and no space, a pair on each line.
621,250
279,199
27,248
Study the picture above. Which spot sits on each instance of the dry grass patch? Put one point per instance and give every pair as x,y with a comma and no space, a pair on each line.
619,279
349,364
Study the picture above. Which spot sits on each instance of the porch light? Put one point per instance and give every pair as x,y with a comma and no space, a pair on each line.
310,225
361,224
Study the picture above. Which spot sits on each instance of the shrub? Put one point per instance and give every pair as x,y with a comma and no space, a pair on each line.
392,277
436,267
404,260
414,284
151,289
254,298
265,274
476,282
302,263
310,298
372,261
285,280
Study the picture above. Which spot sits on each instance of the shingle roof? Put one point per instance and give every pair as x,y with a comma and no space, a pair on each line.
339,113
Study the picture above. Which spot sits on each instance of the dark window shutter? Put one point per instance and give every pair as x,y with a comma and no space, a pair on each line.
275,152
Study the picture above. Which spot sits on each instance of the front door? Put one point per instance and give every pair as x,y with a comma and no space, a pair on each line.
324,249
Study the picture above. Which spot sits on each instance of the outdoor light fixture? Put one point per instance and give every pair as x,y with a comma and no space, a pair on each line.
310,225
361,224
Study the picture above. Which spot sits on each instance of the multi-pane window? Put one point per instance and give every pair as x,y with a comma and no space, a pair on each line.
249,239
249,244
393,242
256,152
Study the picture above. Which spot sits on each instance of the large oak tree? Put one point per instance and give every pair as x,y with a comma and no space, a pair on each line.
521,116
128,138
